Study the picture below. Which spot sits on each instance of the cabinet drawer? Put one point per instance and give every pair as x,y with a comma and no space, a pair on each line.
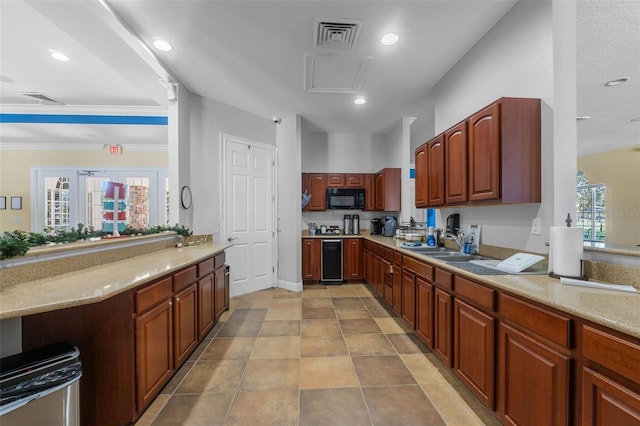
417,267
368,245
380,250
205,268
612,352
476,293
550,325
397,258
184,278
219,260
388,255
335,180
444,279
354,180
153,294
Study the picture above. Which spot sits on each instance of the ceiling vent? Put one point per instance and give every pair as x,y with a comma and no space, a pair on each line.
42,99
337,33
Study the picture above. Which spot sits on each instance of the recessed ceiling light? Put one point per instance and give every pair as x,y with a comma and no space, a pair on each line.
389,39
616,81
58,56
163,45
583,117
360,100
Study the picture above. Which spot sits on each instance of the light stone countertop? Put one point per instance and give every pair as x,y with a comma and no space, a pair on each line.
97,283
614,309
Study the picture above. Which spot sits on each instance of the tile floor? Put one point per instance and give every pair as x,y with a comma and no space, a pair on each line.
331,355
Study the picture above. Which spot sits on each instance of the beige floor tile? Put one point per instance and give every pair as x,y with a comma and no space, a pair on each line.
343,291
389,325
254,303
388,370
323,346
264,408
205,409
318,313
279,347
320,327
280,328
422,369
381,312
213,376
359,326
240,329
401,405
317,302
270,374
286,302
363,290
368,344
280,293
322,292
276,314
229,348
323,407
347,301
450,405
152,412
352,312
327,372
407,343
241,314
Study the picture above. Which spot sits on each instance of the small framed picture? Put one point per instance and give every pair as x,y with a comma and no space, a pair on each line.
16,203
3,203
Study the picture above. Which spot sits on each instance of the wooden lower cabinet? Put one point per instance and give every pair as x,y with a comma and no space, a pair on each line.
424,310
606,402
185,317
473,342
154,351
206,309
311,253
396,303
221,295
443,327
534,381
352,259
409,297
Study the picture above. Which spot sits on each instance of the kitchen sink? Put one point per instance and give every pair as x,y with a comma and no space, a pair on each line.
458,257
431,250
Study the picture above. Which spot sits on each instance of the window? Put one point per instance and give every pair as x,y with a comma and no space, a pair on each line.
590,208
66,197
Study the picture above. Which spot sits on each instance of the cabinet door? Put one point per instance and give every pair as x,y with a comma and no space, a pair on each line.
397,289
154,351
484,154
206,309
424,310
442,327
474,361
435,171
306,189
606,402
421,176
409,297
380,192
352,258
455,154
391,189
533,386
369,192
388,281
354,180
378,273
221,292
311,259
318,191
185,316
335,180
368,266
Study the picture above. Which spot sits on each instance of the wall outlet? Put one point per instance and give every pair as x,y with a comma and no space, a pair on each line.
535,227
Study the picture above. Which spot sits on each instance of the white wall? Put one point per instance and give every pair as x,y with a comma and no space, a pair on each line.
514,59
343,152
208,120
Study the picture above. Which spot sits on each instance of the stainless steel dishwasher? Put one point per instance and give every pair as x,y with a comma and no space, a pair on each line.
331,261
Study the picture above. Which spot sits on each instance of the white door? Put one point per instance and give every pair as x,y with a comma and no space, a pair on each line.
249,207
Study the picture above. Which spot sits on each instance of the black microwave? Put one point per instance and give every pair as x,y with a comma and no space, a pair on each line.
345,199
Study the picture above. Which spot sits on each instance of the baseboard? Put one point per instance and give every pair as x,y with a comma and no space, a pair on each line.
288,285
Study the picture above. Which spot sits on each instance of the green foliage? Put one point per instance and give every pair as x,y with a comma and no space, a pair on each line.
18,243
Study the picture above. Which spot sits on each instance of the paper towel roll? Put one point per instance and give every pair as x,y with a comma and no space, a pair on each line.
565,251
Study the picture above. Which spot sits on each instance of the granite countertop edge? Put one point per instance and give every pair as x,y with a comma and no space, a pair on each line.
98,283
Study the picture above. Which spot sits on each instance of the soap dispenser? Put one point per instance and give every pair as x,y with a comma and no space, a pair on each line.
431,240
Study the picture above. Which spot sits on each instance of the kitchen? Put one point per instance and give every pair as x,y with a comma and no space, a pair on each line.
464,90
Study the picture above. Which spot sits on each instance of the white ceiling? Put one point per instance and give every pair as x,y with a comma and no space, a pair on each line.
257,56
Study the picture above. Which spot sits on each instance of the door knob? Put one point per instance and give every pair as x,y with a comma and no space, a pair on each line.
231,239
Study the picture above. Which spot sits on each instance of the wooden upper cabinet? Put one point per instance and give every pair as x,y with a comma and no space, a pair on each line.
455,163
504,152
388,190
369,192
354,180
421,176
435,171
484,154
317,187
335,180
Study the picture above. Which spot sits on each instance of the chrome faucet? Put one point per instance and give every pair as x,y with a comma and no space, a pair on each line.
458,238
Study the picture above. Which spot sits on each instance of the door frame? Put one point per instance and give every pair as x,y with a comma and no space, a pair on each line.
224,139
